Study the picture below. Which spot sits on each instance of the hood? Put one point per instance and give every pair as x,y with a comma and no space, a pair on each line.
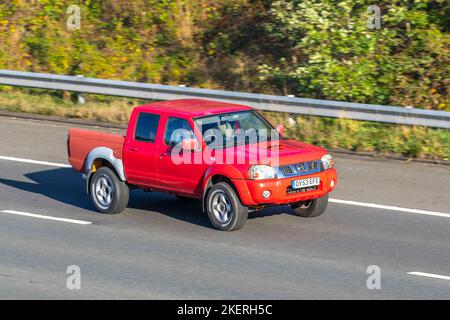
275,153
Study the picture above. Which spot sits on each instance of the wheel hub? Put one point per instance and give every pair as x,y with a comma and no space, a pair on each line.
104,190
222,208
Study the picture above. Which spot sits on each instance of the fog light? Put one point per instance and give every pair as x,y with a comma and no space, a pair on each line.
266,194
332,183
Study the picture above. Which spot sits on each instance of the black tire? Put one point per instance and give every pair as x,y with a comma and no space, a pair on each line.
234,213
311,208
115,188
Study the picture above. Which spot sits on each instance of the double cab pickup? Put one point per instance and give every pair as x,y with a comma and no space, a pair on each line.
227,156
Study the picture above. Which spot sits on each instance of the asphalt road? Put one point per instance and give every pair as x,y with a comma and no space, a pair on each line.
162,248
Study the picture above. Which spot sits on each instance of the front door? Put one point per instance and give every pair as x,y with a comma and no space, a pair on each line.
179,170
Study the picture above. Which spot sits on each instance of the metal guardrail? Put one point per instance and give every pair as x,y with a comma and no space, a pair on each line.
325,108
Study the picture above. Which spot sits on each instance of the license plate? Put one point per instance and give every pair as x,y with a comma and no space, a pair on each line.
305,183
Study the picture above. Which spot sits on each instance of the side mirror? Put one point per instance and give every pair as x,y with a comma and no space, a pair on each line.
280,129
190,145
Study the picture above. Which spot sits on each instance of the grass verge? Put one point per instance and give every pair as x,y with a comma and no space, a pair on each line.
410,141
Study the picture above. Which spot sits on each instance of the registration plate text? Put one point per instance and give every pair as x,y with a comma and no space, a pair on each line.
305,183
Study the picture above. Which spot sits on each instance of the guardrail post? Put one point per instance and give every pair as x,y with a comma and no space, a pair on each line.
80,96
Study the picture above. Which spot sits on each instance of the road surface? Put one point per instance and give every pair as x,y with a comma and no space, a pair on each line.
385,213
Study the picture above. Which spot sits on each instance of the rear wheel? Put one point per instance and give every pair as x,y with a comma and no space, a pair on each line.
108,193
311,208
224,208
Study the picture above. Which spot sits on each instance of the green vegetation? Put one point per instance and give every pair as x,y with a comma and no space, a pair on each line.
317,49
409,141
310,48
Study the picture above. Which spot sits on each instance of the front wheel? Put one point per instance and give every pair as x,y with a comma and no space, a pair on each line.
311,208
109,194
224,208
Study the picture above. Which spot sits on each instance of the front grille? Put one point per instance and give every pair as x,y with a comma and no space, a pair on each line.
302,168
286,170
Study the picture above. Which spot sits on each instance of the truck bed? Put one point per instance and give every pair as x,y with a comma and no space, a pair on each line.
80,142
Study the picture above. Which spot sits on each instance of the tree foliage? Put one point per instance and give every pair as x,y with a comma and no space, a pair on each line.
335,56
319,49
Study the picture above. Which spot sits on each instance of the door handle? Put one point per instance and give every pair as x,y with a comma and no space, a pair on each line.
133,149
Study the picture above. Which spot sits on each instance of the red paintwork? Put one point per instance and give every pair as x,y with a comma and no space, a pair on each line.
250,191
192,107
148,165
82,141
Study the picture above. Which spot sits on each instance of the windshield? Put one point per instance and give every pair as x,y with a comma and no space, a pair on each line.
236,128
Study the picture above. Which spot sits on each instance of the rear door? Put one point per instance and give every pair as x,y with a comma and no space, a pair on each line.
141,150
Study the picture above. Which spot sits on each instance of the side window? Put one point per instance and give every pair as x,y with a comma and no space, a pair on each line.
177,129
146,127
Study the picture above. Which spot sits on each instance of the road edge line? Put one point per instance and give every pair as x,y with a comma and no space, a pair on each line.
33,215
429,275
391,208
45,163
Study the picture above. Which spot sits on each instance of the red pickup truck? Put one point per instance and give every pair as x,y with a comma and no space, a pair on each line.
226,155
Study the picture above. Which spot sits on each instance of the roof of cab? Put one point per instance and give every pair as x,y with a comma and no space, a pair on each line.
193,107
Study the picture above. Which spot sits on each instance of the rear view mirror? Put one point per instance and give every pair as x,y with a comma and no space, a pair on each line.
190,145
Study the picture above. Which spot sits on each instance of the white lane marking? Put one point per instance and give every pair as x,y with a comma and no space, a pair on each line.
45,163
429,275
27,214
349,202
392,208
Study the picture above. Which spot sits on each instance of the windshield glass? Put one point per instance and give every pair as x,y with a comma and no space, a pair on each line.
236,128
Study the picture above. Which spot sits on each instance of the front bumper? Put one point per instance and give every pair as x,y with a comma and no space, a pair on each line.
251,191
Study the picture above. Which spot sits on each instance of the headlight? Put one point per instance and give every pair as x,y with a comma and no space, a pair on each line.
262,172
327,161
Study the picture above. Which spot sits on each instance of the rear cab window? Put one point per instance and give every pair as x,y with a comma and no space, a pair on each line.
146,127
